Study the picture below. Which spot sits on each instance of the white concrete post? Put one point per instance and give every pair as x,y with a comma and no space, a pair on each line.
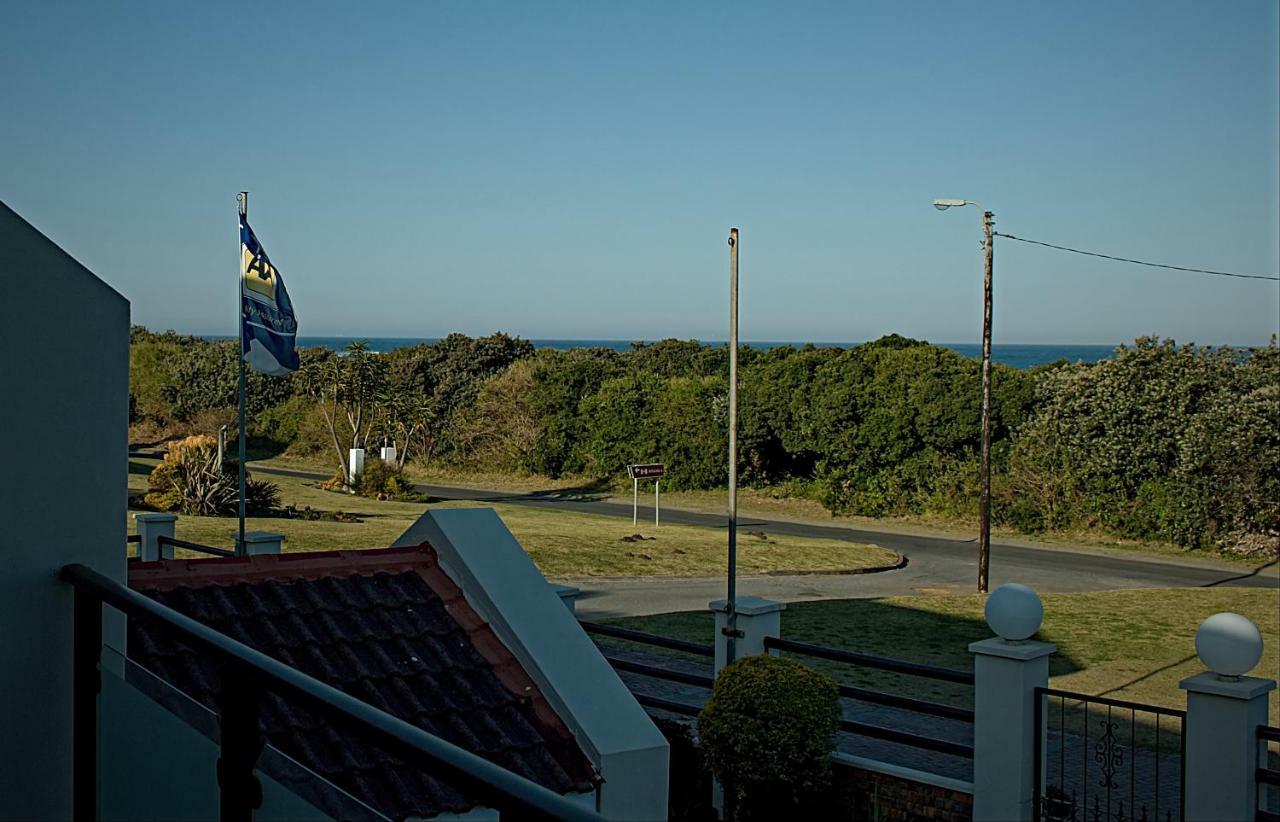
1007,669
258,543
568,595
1224,710
387,454
757,619
150,528
355,465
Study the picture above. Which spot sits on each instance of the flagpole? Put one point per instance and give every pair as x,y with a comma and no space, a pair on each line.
243,202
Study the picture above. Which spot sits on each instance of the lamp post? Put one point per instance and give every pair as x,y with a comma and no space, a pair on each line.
731,630
984,502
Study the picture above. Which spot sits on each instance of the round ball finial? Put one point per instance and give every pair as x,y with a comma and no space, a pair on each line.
1229,644
1014,611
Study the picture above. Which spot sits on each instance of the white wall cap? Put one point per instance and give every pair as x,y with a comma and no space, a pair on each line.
748,606
1229,644
1024,650
1246,687
1014,611
155,517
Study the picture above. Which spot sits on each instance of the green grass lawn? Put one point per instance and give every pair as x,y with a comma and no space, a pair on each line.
1134,644
563,544
777,503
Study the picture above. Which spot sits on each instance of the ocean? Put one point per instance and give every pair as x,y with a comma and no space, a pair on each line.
1014,355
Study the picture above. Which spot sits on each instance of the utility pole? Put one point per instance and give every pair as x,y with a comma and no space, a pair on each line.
731,629
984,504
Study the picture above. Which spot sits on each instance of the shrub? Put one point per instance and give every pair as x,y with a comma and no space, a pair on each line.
384,480
767,733
190,480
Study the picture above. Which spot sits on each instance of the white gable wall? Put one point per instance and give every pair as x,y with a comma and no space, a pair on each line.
64,415
509,592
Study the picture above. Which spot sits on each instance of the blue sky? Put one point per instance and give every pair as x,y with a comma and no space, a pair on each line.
572,169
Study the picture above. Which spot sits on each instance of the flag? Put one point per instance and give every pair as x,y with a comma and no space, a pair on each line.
268,329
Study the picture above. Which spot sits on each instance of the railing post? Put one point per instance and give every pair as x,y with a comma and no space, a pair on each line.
240,792
1007,670
1224,710
150,528
757,619
86,685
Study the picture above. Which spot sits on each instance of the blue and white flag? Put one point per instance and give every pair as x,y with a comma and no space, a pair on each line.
268,329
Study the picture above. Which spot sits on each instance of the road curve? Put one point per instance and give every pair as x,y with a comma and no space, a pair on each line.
936,564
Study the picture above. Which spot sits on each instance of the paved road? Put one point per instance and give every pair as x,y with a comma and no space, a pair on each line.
935,565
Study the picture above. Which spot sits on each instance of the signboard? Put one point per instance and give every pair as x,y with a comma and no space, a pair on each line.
644,470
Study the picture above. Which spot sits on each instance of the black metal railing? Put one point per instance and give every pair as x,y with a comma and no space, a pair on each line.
645,638
951,747
1268,775
1099,759
869,661
195,546
248,676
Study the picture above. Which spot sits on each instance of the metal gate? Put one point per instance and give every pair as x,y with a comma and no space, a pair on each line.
1107,760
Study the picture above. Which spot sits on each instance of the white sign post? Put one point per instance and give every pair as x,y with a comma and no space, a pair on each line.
648,470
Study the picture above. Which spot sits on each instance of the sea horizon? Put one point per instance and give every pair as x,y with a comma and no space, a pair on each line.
1015,355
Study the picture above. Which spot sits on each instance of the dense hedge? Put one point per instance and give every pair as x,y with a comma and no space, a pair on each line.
1161,441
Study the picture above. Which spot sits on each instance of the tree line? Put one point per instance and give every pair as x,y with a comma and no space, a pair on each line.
1168,442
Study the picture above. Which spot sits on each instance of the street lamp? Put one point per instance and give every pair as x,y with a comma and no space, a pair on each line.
984,503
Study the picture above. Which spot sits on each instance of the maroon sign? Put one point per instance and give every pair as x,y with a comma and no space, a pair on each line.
648,470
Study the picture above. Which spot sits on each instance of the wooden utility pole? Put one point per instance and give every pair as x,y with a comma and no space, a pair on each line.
984,504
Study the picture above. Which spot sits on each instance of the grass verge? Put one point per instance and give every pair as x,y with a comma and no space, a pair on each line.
562,543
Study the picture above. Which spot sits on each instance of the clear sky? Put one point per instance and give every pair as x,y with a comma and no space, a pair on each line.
572,169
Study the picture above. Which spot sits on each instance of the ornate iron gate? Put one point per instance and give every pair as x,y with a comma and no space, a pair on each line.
1107,760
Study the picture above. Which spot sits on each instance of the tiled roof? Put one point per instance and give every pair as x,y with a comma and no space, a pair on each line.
387,626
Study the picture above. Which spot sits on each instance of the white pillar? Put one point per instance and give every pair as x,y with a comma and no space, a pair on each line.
757,619
355,465
150,528
1224,710
1007,669
261,542
568,595
387,453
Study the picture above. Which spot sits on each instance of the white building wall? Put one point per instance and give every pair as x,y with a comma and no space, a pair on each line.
64,380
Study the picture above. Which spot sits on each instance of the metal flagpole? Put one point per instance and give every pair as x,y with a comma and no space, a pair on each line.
243,201
731,630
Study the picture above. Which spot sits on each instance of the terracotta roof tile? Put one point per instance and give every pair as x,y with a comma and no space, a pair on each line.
387,626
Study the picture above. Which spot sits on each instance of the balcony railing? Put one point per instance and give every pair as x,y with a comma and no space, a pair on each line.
248,675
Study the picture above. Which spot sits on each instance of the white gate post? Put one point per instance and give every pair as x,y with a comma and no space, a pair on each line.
1224,710
1007,669
150,528
355,465
757,619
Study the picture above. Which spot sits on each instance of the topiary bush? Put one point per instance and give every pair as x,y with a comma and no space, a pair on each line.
767,733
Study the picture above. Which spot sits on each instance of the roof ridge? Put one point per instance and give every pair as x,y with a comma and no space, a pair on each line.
166,574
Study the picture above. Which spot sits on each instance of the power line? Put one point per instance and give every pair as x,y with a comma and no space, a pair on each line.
1138,262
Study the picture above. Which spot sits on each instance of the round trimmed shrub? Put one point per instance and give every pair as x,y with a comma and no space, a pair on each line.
767,733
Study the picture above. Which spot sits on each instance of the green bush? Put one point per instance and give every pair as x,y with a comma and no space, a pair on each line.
383,480
191,481
767,733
